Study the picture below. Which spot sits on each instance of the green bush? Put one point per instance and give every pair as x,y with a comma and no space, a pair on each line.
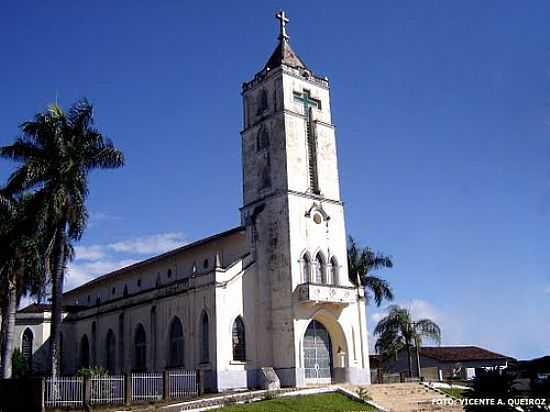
20,368
92,372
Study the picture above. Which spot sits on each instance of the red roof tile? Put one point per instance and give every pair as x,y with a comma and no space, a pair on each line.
459,353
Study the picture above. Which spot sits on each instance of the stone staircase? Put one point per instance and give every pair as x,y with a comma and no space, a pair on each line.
411,397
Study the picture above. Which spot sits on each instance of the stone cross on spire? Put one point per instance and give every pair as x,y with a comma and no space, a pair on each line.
283,20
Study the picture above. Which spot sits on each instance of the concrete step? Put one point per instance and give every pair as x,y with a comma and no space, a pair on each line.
409,397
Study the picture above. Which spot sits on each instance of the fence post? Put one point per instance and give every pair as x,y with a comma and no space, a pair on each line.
127,388
87,389
43,395
166,385
198,374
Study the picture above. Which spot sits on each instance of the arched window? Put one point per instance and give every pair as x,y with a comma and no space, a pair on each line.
26,347
176,343
334,271
204,344
320,269
306,268
239,343
110,351
140,349
84,352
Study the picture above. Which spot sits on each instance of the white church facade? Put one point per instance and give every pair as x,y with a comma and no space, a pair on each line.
271,295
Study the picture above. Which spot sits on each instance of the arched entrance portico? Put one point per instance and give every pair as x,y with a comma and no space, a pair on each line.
323,349
318,364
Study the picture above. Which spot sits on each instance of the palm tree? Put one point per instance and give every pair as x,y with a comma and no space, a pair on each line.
398,330
21,267
57,150
361,264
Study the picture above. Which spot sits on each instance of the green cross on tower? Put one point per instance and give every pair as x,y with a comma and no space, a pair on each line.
309,104
307,100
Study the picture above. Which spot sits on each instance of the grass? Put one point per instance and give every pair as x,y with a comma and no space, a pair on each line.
333,402
455,392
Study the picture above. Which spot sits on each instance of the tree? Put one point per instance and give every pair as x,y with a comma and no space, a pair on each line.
56,152
492,384
397,330
21,266
361,264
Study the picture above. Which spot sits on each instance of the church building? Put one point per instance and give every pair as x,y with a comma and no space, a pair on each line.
268,299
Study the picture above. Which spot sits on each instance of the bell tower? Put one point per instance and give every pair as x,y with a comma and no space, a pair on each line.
292,209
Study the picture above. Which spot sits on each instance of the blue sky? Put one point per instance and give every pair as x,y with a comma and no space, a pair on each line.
442,118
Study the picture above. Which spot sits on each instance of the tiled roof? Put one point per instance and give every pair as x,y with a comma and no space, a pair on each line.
36,308
460,353
45,307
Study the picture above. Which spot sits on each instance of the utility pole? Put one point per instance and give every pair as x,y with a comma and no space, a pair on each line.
416,344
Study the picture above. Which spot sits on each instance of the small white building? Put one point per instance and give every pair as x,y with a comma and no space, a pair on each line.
272,292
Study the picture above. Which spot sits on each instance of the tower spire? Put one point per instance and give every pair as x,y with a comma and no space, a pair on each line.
283,53
283,20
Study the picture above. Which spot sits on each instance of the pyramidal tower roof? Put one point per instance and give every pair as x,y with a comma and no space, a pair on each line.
283,53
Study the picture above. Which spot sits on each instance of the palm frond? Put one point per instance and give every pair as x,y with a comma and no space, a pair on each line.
380,288
429,329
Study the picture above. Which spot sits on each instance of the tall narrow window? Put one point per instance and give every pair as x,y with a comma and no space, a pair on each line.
140,349
239,345
121,354
110,352
262,139
94,344
61,357
26,347
306,268
261,102
153,339
205,344
320,269
176,343
334,271
84,352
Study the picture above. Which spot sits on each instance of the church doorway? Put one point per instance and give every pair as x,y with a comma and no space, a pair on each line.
317,354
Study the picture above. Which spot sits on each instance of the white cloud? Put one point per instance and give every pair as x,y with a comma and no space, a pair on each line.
158,243
144,245
421,309
80,273
92,261
94,252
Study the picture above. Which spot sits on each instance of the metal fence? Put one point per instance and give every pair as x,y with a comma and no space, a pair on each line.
64,392
147,386
107,390
182,384
75,392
